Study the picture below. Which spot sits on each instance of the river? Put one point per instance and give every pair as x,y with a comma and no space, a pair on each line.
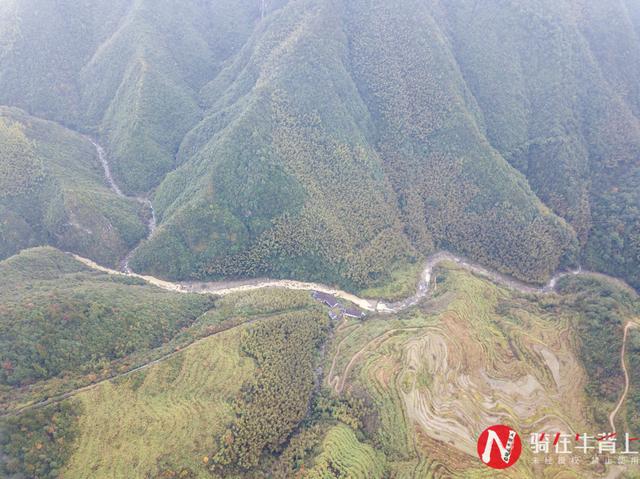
372,305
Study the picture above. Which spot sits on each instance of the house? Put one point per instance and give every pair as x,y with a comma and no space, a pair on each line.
325,298
354,313
334,316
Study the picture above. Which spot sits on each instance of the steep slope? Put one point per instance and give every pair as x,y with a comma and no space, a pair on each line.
53,191
557,84
341,140
128,69
346,161
453,188
285,180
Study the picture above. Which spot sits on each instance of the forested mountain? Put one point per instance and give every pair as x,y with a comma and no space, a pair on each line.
169,143
342,139
52,191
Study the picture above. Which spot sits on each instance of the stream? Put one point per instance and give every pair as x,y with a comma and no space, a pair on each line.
143,200
222,288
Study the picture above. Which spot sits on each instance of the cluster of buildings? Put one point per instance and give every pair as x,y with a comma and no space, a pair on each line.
336,309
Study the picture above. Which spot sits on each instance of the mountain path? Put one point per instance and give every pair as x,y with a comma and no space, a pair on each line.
61,397
623,397
372,305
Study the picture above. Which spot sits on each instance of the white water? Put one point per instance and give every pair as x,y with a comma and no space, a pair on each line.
146,202
374,305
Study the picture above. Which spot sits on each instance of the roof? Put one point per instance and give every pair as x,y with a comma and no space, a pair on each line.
354,313
325,298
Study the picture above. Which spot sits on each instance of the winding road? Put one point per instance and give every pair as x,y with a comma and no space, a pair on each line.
371,305
623,397
223,288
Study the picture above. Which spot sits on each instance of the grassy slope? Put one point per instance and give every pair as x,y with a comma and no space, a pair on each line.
58,313
401,283
69,205
342,455
65,326
173,417
166,417
502,342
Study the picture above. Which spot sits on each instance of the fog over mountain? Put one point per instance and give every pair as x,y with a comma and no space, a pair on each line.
223,146
335,140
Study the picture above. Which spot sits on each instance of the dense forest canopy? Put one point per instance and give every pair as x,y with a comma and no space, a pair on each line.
57,317
52,191
335,139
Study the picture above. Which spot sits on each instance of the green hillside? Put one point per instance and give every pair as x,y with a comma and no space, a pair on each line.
186,402
603,313
344,456
230,384
128,70
424,118
335,141
181,405
53,191
339,141
297,168
283,393
560,99
58,318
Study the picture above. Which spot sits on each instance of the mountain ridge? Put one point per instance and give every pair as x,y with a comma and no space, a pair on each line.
348,159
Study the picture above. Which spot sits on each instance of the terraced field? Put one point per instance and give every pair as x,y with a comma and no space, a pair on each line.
470,354
474,355
163,418
345,456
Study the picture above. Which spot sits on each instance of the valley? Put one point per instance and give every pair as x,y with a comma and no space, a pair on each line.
151,214
318,239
